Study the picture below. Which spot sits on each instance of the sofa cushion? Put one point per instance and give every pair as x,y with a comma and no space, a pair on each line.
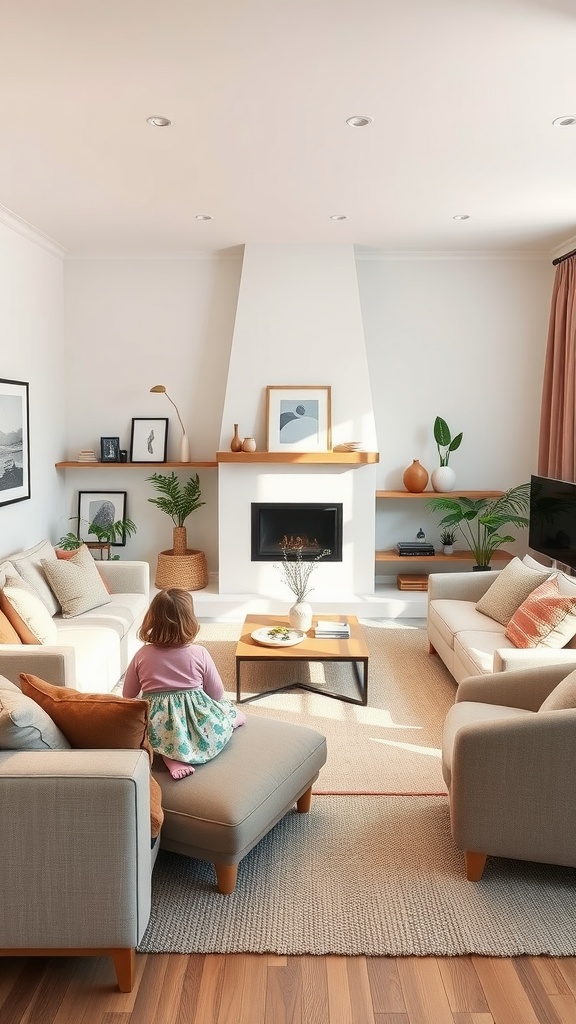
24,725
28,564
8,634
563,696
26,612
98,721
475,651
76,582
511,587
450,617
7,569
119,614
545,619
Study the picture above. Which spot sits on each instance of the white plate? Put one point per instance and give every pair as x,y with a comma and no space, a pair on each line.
262,636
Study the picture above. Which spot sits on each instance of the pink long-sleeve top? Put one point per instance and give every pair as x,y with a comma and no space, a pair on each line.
172,668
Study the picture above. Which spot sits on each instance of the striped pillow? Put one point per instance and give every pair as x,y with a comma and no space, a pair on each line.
545,619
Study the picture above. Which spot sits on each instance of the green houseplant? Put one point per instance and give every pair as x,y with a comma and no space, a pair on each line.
480,520
443,477
181,566
104,534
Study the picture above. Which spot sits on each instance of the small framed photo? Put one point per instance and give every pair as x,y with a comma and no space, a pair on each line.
109,449
102,508
14,442
298,418
149,440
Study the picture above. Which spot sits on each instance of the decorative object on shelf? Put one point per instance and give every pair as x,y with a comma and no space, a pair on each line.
444,478
420,535
348,446
480,520
123,455
447,538
15,442
182,566
149,439
415,478
87,455
109,449
248,444
159,389
298,418
101,515
297,572
236,442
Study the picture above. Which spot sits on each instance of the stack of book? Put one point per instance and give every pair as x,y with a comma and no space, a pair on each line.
414,547
326,630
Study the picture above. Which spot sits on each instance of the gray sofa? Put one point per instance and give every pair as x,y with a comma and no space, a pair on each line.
92,649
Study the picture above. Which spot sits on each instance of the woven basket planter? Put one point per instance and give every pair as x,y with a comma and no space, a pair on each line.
189,571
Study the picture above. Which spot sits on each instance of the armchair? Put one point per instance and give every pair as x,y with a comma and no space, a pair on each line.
509,764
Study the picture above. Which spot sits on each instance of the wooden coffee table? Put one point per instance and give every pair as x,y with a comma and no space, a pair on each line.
352,650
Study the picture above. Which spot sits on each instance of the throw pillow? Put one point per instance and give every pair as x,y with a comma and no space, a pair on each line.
545,619
26,613
24,725
8,634
510,588
563,696
67,555
97,721
76,582
29,566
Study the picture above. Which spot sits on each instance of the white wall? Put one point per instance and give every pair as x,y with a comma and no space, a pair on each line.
32,350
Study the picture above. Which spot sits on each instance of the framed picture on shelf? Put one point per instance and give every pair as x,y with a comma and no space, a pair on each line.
102,508
149,440
14,441
298,418
110,449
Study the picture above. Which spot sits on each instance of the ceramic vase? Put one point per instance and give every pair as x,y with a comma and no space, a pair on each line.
248,444
415,477
236,442
300,616
443,478
184,449
448,549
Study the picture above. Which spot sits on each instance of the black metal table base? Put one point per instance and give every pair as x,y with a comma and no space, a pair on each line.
361,681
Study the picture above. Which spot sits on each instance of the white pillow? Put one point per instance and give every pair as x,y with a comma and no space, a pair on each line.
76,583
28,565
26,612
510,589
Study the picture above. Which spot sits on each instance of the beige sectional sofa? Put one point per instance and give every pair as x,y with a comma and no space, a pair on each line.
90,650
471,642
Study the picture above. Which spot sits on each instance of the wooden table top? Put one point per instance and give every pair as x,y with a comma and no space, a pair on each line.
310,649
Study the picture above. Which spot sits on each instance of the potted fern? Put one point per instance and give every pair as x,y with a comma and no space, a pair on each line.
111,533
480,520
180,566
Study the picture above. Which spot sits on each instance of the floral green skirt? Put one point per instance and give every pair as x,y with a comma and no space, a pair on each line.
188,725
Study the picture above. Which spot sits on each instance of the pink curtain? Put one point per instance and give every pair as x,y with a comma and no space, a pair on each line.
557,447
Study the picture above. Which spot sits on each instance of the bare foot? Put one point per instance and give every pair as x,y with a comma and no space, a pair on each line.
177,769
240,719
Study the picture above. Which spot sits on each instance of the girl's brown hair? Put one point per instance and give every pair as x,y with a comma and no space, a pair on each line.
170,620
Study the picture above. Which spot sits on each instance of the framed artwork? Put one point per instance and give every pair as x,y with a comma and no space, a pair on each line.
149,440
109,449
14,442
102,508
298,418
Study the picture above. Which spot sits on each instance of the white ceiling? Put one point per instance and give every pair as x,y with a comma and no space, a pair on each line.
462,94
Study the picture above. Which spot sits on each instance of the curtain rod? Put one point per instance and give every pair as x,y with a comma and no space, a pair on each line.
560,259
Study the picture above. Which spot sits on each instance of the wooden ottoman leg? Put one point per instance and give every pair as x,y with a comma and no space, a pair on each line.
475,863
226,875
303,804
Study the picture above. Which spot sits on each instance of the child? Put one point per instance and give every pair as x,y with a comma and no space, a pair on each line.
189,720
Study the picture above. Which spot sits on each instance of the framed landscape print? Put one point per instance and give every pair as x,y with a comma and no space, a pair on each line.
102,508
14,442
149,440
298,418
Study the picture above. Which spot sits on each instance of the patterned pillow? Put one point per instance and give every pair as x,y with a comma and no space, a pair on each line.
545,619
24,725
510,588
563,696
26,612
76,583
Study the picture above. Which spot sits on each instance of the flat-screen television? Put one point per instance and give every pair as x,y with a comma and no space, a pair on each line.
552,528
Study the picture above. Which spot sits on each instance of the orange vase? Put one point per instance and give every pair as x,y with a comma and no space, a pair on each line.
415,477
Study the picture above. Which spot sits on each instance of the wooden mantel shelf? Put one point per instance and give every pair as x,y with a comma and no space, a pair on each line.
135,465
301,458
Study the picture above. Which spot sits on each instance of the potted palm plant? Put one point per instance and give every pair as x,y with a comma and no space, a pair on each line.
480,520
180,566
111,533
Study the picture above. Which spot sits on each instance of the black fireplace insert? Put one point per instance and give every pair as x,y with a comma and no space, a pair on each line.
309,528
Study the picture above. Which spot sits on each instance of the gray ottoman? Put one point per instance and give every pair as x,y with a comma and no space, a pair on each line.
224,809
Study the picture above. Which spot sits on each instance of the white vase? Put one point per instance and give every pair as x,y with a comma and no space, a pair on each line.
443,478
448,549
184,449
300,616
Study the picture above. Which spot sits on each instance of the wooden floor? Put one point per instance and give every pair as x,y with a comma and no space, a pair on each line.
255,989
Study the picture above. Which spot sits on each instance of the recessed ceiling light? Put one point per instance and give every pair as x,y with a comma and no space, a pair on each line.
158,122
564,122
203,216
359,121
338,216
461,216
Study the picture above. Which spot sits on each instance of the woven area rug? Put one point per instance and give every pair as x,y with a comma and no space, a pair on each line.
390,746
367,876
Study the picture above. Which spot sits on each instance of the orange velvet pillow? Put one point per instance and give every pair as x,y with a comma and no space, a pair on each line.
98,721
545,619
8,634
